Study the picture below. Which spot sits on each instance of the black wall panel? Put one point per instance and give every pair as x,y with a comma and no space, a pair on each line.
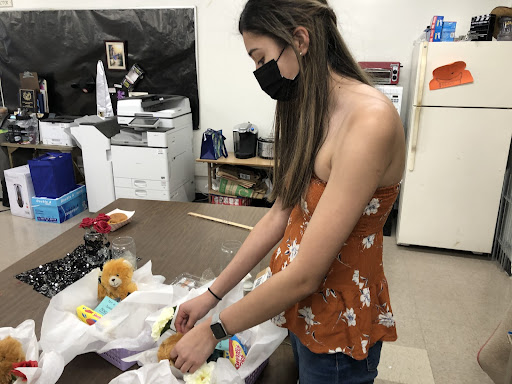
64,46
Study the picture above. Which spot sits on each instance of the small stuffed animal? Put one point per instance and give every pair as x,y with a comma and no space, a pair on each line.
116,280
164,351
11,352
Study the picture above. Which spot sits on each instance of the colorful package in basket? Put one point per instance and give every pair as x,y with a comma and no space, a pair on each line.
87,315
237,352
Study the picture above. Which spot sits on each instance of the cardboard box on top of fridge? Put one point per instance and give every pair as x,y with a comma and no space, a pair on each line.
436,28
448,32
56,131
60,209
20,190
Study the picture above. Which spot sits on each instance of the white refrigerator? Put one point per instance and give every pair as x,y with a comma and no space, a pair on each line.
458,139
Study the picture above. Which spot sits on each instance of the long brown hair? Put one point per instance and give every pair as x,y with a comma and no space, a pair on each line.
300,124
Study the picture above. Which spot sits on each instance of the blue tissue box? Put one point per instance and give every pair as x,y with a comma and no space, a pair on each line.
60,209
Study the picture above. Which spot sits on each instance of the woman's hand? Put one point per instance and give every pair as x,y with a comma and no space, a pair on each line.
193,310
194,348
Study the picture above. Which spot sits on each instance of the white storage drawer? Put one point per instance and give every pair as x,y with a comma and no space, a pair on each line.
143,194
183,193
156,185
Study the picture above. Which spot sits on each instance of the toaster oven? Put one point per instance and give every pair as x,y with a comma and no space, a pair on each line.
382,72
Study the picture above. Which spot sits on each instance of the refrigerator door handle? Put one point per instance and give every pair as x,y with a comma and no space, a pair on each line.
414,139
417,112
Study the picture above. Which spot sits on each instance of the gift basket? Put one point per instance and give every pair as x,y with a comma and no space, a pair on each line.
20,360
245,358
131,327
73,323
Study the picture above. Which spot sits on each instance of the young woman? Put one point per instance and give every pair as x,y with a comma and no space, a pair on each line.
339,158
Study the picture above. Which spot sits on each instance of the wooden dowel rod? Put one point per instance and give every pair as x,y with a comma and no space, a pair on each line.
221,221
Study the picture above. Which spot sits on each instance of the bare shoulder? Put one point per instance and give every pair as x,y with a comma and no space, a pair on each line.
373,131
365,125
371,112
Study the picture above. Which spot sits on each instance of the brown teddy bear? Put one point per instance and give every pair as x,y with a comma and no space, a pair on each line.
164,351
116,280
11,352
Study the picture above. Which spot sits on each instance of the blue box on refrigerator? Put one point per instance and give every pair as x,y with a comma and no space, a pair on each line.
60,209
436,28
448,32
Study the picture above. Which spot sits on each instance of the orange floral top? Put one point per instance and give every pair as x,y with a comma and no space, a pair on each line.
350,311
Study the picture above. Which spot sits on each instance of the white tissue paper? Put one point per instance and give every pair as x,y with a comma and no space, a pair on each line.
123,327
159,373
50,365
103,102
261,340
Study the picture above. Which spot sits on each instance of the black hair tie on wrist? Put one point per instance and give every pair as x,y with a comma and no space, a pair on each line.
214,295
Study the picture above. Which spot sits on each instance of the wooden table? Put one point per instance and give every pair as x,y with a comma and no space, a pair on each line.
256,162
175,243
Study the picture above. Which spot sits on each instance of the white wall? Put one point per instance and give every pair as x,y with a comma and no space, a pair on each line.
375,30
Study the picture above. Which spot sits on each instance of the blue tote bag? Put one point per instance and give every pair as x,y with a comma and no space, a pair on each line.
52,174
213,146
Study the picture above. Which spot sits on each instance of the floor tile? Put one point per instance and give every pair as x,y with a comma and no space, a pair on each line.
380,381
405,365
21,236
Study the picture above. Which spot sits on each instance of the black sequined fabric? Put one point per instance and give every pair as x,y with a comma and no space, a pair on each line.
51,278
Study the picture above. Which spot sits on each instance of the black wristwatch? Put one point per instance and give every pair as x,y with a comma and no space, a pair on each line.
218,329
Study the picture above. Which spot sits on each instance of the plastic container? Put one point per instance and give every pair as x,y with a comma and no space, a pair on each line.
23,130
116,356
186,280
251,379
129,215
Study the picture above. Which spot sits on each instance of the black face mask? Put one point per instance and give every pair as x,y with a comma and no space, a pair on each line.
276,86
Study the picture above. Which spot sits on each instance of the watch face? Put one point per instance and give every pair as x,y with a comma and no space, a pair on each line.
218,331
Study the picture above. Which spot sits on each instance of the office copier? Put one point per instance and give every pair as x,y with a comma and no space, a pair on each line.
152,156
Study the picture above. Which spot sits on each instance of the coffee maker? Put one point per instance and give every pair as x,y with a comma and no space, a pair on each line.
245,139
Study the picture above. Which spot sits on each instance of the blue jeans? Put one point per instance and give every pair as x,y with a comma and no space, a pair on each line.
336,368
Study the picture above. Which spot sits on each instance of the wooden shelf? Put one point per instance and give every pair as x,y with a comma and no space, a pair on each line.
74,150
257,162
39,146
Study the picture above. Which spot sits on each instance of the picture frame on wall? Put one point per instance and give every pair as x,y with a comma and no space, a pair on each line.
116,55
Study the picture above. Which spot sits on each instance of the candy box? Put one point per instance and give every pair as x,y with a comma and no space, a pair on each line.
237,352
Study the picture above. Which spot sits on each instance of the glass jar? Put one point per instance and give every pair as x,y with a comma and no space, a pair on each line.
124,247
228,250
96,247
505,29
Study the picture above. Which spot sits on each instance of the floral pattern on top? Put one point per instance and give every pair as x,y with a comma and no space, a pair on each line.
278,253
350,311
372,208
292,251
279,320
368,241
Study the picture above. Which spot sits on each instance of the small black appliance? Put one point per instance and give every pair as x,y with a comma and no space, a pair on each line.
245,139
